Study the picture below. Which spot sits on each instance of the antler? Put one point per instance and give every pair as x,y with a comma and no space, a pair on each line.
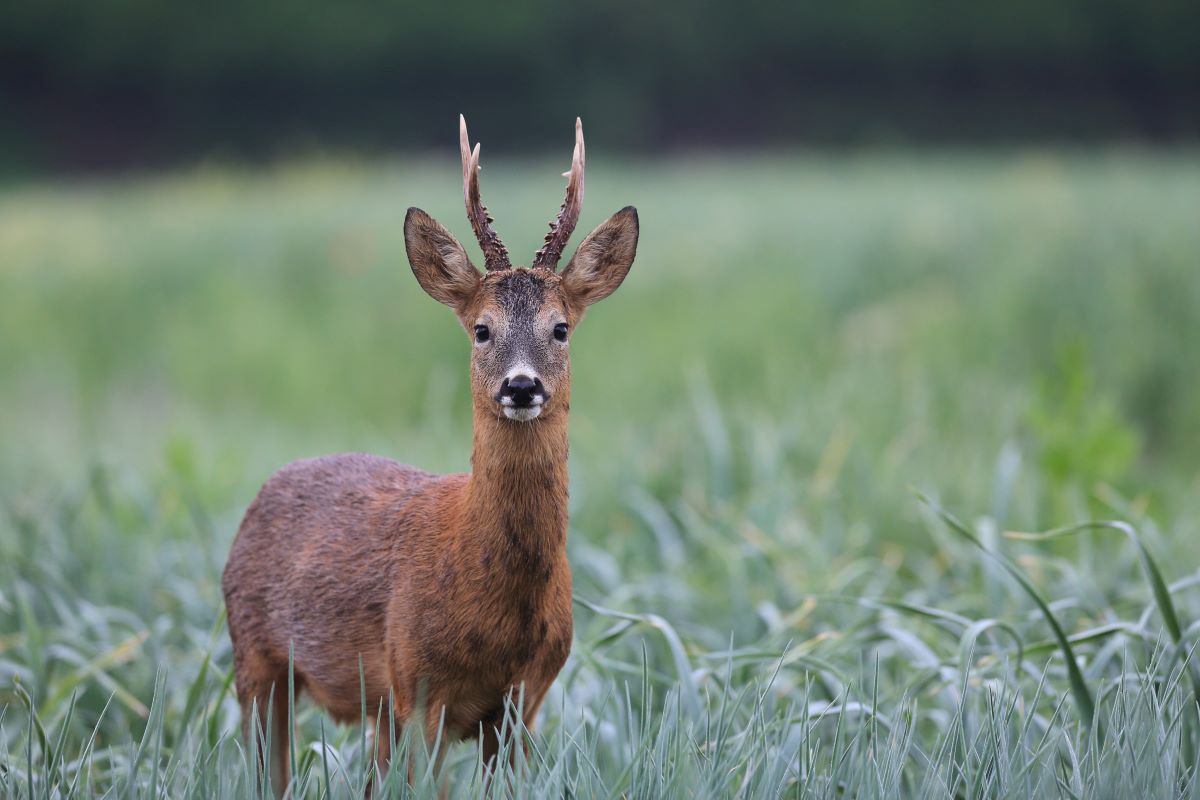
560,229
495,254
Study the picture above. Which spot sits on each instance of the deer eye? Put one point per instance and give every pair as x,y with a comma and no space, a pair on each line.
482,334
560,331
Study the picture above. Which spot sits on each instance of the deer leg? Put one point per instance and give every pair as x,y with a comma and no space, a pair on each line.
282,743
383,757
533,702
436,736
492,727
265,694
489,740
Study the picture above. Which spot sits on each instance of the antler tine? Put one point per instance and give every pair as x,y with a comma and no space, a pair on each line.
562,227
495,254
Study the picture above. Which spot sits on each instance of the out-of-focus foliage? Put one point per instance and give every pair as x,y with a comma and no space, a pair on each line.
116,82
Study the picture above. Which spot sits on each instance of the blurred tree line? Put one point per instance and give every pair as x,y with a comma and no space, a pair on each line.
112,83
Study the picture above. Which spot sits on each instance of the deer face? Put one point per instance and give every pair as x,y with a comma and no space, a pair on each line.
520,331
520,320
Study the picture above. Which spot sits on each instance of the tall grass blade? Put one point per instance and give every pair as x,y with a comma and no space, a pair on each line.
1158,586
683,666
1079,687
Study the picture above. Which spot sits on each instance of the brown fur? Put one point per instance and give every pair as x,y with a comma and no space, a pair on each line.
452,590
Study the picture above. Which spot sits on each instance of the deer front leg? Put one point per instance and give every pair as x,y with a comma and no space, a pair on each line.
262,692
377,784
494,725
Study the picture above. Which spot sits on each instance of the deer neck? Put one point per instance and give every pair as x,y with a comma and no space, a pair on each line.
516,509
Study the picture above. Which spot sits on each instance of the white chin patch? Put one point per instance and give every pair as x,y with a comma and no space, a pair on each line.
523,414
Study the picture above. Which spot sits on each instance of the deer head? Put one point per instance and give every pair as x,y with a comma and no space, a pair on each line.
520,319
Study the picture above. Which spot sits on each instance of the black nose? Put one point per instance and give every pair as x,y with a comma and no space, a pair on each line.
521,390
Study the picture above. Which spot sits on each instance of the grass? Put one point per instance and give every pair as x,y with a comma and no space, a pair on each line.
796,566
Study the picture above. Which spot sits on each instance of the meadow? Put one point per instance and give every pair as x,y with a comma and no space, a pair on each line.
806,437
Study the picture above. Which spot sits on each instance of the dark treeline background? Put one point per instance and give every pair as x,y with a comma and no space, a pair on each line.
110,84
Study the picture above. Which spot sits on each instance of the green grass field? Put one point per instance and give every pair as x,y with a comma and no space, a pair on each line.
815,367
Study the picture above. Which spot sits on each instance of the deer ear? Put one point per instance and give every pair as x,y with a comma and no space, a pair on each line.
438,260
603,259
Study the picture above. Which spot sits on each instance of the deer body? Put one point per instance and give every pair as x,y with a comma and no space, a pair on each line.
453,592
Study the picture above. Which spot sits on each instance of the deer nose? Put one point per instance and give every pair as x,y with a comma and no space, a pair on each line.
521,390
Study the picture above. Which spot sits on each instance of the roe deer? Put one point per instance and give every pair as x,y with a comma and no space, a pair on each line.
453,590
